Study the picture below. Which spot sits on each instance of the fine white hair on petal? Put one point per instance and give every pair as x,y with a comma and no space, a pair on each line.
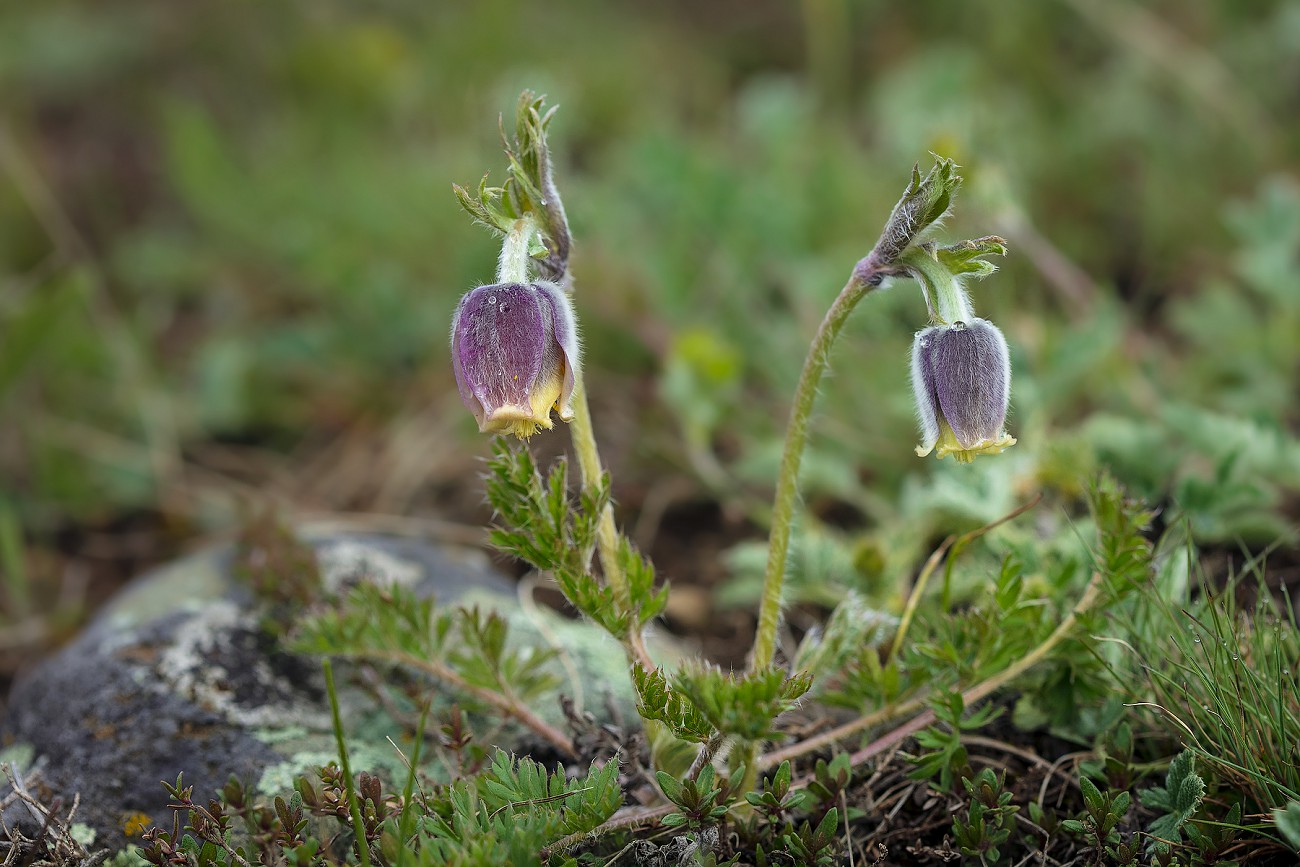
968,367
462,382
927,413
1005,354
565,330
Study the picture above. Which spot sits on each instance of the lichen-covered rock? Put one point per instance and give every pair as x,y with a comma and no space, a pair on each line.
179,674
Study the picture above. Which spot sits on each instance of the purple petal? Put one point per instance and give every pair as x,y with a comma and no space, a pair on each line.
499,343
971,371
565,331
923,389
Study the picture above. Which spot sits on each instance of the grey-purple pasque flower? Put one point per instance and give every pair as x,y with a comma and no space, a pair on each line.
961,377
514,347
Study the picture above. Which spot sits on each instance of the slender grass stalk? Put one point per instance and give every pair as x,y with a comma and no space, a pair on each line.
914,598
358,827
1222,679
406,823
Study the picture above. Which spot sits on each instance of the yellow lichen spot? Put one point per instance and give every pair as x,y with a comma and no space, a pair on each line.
135,824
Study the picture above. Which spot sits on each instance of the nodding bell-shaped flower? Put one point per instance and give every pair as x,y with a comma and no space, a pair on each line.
961,377
514,347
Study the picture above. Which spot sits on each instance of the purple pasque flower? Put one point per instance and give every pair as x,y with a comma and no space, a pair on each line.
961,377
514,347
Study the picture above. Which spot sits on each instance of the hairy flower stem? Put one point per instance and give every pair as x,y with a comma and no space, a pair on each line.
944,294
865,278
924,201
513,268
704,756
607,541
354,806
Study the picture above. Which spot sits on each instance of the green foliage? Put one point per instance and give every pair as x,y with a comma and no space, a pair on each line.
1287,820
235,300
1114,751
864,680
1223,676
701,801
823,567
989,817
659,700
831,779
541,525
700,701
990,635
1213,838
743,706
1177,800
232,831
967,257
261,296
851,637
775,799
529,188
279,568
945,760
468,645
797,825
1100,820
1123,553
924,202
507,813
514,811
813,845
1177,804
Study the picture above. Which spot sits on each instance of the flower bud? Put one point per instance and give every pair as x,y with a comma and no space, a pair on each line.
514,347
961,377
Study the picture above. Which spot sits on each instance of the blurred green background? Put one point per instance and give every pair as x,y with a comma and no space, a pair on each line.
229,252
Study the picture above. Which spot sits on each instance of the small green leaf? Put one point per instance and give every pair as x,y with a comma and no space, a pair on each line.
1178,799
965,257
671,786
1091,796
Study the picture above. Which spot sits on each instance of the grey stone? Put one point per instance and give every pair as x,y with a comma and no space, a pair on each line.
176,674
